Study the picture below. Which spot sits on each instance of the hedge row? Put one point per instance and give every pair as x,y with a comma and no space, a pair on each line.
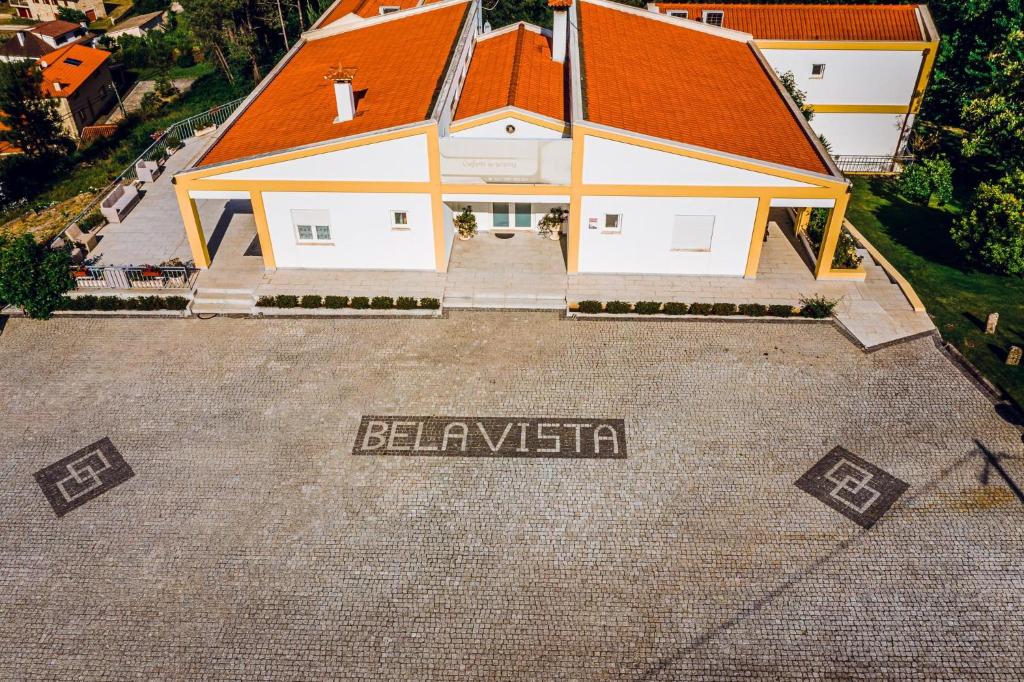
356,302
90,302
814,308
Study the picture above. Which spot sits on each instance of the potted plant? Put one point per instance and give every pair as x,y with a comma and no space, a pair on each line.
550,225
465,224
150,271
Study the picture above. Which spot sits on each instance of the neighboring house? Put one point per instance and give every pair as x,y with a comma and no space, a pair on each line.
46,10
864,68
137,26
79,77
668,142
34,42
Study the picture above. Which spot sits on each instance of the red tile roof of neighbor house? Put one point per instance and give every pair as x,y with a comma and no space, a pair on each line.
70,66
813,22
664,79
515,69
367,8
400,64
55,28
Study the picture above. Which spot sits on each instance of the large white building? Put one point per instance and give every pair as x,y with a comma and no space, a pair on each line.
668,142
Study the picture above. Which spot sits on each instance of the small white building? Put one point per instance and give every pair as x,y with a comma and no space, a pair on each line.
357,155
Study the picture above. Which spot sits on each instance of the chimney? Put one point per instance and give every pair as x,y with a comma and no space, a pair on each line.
57,87
343,95
21,38
560,28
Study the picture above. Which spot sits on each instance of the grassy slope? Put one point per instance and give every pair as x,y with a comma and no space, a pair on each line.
916,240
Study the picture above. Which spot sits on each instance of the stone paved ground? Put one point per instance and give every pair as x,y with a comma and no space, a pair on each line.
252,545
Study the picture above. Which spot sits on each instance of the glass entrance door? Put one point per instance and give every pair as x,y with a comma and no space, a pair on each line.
523,215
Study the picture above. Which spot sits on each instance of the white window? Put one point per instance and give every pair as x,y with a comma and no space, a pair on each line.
693,232
817,70
713,17
388,9
399,220
612,223
680,13
312,227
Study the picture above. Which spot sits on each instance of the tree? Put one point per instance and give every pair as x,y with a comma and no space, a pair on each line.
30,119
991,231
788,81
994,122
71,14
926,178
32,276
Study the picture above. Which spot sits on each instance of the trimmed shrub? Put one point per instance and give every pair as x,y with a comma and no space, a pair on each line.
382,303
700,308
176,302
817,307
360,302
405,303
93,219
780,310
753,309
335,302
590,307
674,308
617,307
430,303
109,303
266,302
648,307
286,301
311,301
723,308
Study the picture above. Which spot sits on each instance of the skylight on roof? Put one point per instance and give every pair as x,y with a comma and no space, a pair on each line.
713,17
73,62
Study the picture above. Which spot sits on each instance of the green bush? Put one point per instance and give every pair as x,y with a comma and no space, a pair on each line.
108,303
926,178
335,302
648,307
32,277
405,303
382,303
266,302
991,231
590,307
700,308
91,220
176,302
674,308
723,308
780,310
286,301
311,301
430,303
753,309
817,307
87,302
617,307
360,302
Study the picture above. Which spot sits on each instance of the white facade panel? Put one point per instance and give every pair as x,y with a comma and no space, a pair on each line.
523,130
400,160
852,76
606,162
645,242
861,134
361,231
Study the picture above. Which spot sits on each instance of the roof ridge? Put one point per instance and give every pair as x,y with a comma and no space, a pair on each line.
337,28
517,60
698,26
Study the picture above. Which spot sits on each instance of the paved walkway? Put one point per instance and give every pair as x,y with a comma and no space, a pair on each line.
133,99
521,271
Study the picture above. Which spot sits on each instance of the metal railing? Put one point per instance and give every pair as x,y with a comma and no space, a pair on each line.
133,277
872,165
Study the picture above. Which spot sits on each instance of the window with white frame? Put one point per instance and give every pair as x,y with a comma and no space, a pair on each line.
312,226
679,13
612,223
817,70
693,232
399,220
388,9
713,17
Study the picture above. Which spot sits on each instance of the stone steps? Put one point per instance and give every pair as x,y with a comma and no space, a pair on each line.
224,301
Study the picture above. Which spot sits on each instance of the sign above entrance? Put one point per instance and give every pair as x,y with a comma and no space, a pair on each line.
506,161
492,437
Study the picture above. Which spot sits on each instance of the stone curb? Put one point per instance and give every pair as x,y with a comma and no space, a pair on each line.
596,317
317,313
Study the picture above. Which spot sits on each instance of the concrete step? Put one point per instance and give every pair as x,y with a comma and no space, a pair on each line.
501,302
224,301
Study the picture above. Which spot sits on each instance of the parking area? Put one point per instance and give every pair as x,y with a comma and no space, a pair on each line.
251,543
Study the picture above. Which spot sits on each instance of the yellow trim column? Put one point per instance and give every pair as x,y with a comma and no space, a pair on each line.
193,226
831,237
575,203
436,203
259,212
757,237
803,219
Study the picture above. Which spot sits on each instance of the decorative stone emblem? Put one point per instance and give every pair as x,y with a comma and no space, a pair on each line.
491,437
78,478
991,323
852,486
1013,357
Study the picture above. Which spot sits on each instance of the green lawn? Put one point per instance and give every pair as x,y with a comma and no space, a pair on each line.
916,240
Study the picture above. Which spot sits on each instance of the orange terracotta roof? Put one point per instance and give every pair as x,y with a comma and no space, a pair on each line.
393,86
559,4
663,79
813,22
7,147
514,69
70,66
367,8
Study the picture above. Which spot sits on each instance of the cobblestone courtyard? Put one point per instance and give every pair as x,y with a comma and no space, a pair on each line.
252,544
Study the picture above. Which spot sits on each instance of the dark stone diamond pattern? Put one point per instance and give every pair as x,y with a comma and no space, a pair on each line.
82,476
852,486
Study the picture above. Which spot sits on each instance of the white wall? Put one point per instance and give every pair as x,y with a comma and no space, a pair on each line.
852,76
400,160
615,163
524,130
360,228
861,134
644,245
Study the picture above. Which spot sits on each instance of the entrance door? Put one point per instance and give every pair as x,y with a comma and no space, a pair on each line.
524,215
